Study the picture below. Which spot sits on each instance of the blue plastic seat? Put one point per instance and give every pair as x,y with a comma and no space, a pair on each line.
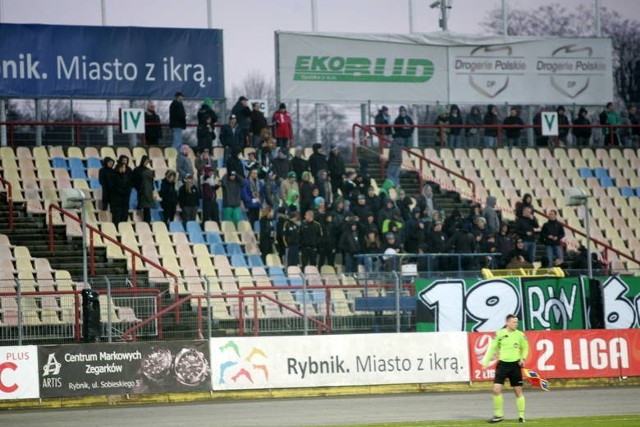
234,249
601,173
276,271
133,200
238,261
59,162
94,183
638,191
156,215
280,281
195,237
176,227
255,261
78,173
193,226
76,163
627,192
585,173
606,182
217,249
212,237
94,163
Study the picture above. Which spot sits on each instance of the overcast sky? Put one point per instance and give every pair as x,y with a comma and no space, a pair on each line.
248,25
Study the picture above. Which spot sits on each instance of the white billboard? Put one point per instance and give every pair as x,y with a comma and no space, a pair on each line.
338,360
424,68
19,372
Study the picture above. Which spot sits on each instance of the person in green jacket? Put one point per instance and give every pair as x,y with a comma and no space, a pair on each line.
512,348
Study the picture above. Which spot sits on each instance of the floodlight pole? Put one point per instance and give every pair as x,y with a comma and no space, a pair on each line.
588,229
85,270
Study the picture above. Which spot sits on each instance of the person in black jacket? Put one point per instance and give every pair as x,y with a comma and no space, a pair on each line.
563,126
210,185
168,196
266,233
104,176
235,164
231,137
189,199
525,228
329,241
310,238
206,134
491,133
206,114
152,128
350,244
551,235
455,133
291,238
404,131
513,134
142,181
177,119
436,243
120,187
582,134
462,242
384,119
258,123
336,169
299,164
243,113
317,160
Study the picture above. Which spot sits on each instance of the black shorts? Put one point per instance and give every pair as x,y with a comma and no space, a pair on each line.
511,370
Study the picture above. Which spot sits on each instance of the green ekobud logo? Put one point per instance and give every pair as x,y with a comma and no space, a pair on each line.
348,69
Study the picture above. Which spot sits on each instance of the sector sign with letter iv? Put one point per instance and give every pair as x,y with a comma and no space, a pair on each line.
419,68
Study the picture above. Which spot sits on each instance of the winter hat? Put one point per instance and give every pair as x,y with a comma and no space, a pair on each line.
208,102
317,201
282,106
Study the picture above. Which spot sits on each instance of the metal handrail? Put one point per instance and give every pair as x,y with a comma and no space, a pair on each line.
370,129
9,188
607,247
93,230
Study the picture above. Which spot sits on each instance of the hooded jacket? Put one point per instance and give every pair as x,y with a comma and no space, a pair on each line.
491,119
491,216
455,120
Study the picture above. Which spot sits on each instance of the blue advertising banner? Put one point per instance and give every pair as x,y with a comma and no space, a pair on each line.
110,62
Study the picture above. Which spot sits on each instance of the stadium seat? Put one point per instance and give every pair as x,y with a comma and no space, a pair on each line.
59,163
585,173
627,192
176,227
234,249
606,182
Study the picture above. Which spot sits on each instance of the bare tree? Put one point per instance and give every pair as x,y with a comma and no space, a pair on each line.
556,20
255,85
334,128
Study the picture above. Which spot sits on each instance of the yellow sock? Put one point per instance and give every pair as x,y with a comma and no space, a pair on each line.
498,405
520,403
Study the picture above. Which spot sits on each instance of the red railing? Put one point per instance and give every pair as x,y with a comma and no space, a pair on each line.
422,159
607,247
9,188
93,230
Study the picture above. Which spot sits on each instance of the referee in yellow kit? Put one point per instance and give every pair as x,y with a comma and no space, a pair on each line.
512,348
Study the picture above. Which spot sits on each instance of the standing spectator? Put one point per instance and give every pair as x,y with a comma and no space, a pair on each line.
336,169
525,228
610,118
455,133
350,245
551,235
299,164
306,192
395,161
291,238
513,133
203,161
405,131
504,244
527,201
563,126
436,243
120,188
582,134
271,190
124,159
288,184
427,201
281,165
293,200
474,118
371,246
231,137
258,123
519,257
206,112
492,120
177,119
382,120
491,216
252,196
231,185
234,163
243,114
317,160
250,162
210,185
266,232
206,134
391,248
329,241
310,237
282,127
189,199
462,242
442,120
541,140
168,196
183,162
152,128
104,176
625,129
416,232
324,186
143,183
635,122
